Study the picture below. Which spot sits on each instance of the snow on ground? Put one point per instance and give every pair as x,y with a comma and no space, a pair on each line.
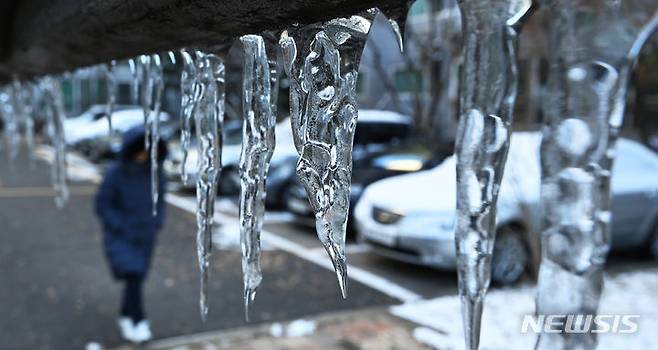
631,293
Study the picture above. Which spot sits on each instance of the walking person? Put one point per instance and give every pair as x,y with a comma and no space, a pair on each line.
125,209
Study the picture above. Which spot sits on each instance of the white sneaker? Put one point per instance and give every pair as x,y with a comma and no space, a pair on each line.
143,331
127,329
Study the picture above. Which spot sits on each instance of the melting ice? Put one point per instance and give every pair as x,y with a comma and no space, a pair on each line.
55,119
322,61
208,118
585,103
258,141
487,99
189,89
112,90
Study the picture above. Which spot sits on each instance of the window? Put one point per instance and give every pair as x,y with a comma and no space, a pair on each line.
408,81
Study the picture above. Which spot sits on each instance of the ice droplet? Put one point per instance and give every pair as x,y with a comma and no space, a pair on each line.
55,120
208,118
321,61
487,95
584,108
258,140
189,90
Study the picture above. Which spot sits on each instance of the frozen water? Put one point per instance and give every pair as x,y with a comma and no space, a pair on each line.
112,91
322,61
573,137
55,118
208,118
189,89
586,95
258,141
134,80
172,57
156,81
26,100
146,94
487,100
8,103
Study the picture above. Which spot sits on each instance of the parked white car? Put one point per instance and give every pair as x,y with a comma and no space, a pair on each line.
89,131
412,217
229,182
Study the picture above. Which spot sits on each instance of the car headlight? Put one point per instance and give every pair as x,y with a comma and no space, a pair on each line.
406,165
385,217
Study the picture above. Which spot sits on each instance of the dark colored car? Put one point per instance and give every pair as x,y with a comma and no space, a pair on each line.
373,159
392,161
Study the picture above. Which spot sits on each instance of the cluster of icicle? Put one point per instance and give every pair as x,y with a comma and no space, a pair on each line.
586,94
321,61
584,109
20,103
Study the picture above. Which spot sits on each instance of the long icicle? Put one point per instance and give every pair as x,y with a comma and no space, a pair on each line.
27,96
208,117
584,111
157,82
488,91
258,141
55,114
189,90
8,101
112,90
146,95
323,115
134,67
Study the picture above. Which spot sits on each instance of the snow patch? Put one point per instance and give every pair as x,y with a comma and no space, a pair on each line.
629,293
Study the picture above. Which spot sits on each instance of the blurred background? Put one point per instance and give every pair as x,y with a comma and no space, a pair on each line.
57,292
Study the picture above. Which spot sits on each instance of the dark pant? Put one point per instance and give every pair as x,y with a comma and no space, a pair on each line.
131,305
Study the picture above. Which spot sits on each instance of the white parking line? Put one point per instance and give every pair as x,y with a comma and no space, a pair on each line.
370,279
90,172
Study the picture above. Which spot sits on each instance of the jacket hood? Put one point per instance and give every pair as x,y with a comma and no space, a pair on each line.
133,143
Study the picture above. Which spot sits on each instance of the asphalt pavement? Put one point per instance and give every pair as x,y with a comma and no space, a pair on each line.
57,291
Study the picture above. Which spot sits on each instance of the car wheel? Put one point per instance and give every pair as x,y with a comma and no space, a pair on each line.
510,256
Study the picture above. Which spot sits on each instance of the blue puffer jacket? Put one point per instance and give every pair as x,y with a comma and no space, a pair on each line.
123,203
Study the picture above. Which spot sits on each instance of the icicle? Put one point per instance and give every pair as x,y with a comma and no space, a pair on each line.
8,100
208,118
134,82
21,99
112,90
146,94
55,119
584,111
398,22
172,57
27,95
487,100
157,84
189,88
257,149
323,116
